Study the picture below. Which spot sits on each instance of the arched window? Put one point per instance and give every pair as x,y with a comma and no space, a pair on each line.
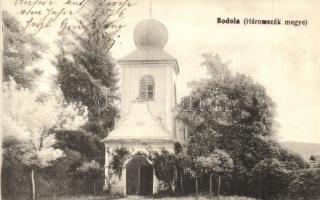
146,88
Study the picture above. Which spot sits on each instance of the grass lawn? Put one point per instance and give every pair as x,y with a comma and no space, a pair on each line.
150,198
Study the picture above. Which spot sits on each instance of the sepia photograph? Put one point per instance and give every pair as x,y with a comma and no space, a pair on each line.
160,99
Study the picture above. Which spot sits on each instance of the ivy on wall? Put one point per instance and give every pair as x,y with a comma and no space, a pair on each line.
119,157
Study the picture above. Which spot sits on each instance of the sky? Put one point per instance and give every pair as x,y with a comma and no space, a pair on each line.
282,58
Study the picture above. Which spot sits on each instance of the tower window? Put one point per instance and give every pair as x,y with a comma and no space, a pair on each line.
146,88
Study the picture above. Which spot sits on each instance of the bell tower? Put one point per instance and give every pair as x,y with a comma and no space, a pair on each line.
149,73
147,119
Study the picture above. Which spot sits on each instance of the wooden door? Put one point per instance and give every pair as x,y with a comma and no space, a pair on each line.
146,180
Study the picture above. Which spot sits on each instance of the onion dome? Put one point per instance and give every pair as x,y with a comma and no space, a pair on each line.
150,33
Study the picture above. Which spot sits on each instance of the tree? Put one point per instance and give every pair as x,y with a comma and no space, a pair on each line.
31,118
217,69
305,184
164,166
91,171
79,146
208,165
235,114
87,74
225,165
271,177
183,162
86,71
20,51
218,163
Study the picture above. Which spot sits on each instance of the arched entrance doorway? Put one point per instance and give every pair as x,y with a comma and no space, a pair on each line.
139,176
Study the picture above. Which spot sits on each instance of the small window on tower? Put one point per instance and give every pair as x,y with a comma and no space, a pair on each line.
146,88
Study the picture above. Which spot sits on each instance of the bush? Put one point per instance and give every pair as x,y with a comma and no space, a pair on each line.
118,159
164,165
305,184
270,178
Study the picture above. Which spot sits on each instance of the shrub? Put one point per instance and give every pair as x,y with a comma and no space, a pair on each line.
305,184
118,159
164,165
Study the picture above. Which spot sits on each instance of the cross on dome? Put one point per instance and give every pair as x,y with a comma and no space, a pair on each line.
150,33
150,9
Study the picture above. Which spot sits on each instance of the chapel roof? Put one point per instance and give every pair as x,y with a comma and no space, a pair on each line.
153,54
139,125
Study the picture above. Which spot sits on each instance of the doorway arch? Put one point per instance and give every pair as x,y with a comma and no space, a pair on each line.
139,176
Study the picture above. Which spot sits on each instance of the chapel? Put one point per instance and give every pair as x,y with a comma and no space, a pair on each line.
148,121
